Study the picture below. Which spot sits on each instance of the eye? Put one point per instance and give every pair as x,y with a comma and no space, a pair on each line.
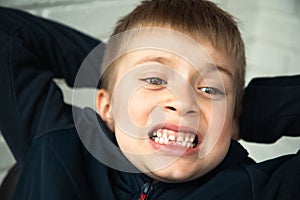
211,92
155,81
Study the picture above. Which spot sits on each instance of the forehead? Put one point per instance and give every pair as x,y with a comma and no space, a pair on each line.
153,57
157,44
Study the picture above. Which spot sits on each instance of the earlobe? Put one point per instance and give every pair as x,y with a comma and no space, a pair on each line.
103,106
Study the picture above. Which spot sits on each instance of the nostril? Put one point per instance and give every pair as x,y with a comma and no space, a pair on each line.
171,108
191,112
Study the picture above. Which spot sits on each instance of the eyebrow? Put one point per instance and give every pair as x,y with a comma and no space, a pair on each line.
159,59
165,61
224,70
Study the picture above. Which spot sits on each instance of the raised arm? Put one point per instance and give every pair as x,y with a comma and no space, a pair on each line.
271,109
33,52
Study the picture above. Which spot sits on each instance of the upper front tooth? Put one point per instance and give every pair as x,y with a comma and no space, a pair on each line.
172,137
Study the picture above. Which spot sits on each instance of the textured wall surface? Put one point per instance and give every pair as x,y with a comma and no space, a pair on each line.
270,29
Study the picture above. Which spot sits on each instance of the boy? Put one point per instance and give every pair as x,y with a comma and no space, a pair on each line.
169,103
167,93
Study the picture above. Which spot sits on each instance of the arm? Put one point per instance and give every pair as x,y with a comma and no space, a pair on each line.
271,109
33,52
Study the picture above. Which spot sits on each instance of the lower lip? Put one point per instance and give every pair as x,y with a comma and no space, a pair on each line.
174,150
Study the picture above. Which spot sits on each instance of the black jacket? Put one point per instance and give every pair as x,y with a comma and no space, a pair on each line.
39,127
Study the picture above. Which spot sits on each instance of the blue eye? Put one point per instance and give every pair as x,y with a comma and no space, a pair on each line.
211,91
155,81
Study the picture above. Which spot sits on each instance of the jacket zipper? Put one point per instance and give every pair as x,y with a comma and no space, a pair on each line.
146,189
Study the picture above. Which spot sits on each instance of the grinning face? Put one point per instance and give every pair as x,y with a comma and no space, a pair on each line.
173,118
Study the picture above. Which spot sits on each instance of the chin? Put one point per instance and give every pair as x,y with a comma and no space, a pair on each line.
174,175
182,171
178,178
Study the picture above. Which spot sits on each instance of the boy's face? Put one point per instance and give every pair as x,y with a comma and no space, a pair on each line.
173,115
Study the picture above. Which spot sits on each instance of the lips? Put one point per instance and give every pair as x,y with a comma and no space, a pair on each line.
172,138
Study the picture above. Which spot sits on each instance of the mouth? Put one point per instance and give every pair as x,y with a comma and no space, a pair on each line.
169,137
175,140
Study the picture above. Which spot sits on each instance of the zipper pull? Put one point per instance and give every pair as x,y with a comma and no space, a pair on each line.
146,189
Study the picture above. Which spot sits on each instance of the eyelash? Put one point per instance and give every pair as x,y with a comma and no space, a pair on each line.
154,81
211,92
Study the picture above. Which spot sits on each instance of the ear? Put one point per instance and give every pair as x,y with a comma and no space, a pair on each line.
235,129
103,106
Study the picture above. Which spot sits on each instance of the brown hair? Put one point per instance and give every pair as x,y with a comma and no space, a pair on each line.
198,18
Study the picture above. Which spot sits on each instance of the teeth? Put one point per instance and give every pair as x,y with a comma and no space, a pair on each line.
164,136
180,139
192,139
188,144
166,141
161,140
159,133
172,137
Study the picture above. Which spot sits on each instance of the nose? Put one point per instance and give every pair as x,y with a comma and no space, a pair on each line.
182,100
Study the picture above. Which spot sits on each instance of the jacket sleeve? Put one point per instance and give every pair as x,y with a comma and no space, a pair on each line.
271,109
33,52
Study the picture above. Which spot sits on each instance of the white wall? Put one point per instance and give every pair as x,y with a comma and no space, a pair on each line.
270,29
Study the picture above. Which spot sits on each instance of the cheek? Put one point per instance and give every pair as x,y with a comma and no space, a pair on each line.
212,114
216,119
140,107
128,144
228,118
